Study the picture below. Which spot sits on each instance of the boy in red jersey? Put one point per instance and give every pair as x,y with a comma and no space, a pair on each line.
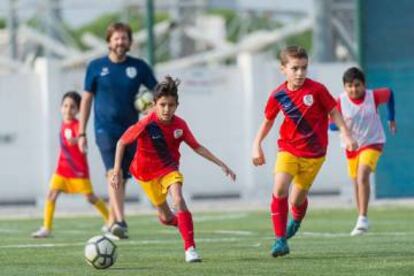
358,106
72,173
303,140
156,161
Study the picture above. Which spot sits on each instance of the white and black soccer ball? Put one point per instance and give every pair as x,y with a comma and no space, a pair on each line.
100,252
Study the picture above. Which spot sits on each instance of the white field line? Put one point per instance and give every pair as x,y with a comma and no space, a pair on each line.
10,231
197,218
224,232
202,218
205,240
341,235
70,232
234,232
144,242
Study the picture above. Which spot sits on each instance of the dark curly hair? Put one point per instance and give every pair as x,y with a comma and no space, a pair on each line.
167,87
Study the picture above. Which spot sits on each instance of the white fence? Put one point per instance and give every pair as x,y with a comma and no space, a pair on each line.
223,105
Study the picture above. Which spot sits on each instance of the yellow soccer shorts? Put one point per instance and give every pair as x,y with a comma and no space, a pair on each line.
71,185
303,170
157,189
367,157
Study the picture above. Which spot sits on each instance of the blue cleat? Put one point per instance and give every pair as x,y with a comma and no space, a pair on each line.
292,228
280,247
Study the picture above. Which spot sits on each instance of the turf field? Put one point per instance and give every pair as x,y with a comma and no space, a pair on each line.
235,243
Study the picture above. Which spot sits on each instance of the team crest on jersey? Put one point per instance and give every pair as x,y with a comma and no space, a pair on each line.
131,72
68,133
308,100
178,133
104,71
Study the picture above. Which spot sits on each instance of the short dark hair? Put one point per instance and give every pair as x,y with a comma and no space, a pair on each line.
167,87
118,27
352,74
293,51
75,96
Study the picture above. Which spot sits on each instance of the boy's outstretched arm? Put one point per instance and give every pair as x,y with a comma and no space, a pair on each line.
391,114
119,155
129,136
85,110
201,150
383,96
336,117
258,157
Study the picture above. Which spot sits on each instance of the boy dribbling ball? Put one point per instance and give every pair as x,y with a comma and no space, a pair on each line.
156,161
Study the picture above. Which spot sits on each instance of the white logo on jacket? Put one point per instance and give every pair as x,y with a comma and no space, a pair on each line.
104,71
131,72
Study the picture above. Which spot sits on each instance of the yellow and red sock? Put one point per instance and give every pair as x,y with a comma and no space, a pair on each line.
48,214
299,212
186,228
279,213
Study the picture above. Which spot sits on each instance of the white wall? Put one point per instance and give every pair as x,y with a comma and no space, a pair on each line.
223,105
20,143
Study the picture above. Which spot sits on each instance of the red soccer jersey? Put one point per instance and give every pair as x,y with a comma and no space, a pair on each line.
72,162
304,130
157,146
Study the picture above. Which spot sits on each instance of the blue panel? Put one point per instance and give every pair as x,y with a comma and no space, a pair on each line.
387,40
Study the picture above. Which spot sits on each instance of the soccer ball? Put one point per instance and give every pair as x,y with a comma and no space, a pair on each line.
144,101
100,252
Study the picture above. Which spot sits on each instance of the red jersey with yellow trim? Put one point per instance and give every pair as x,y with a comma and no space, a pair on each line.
157,146
304,131
72,162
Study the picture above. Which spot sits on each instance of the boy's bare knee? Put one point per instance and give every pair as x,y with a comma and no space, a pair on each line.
180,204
53,195
280,192
178,200
363,179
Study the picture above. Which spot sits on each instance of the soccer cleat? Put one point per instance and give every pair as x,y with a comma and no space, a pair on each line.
292,228
358,231
106,229
280,247
191,255
111,236
124,225
361,227
41,233
119,231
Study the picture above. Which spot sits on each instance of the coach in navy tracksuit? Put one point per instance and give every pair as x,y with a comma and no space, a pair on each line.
113,82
